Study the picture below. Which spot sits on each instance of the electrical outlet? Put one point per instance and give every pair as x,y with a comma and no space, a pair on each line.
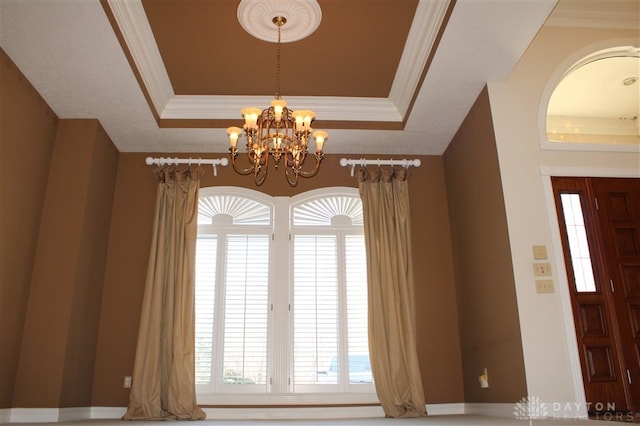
544,286
484,379
542,269
127,381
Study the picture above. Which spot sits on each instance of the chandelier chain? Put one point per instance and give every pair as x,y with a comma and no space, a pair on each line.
278,24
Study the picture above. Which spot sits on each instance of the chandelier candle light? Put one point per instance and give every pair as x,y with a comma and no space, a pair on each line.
277,132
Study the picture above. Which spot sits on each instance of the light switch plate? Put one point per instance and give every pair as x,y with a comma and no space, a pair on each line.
544,286
539,252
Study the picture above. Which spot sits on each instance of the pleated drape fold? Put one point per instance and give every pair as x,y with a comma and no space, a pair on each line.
392,337
163,382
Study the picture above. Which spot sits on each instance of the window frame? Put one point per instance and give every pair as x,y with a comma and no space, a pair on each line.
605,47
222,230
281,389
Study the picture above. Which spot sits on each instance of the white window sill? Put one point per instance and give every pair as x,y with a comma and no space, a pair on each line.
244,399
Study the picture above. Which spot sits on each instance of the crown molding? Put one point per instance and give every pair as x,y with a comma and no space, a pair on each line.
422,36
330,108
136,31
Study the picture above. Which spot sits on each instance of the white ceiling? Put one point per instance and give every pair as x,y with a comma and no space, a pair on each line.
70,53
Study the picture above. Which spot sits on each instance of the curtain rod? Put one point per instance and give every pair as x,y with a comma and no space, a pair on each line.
353,162
190,161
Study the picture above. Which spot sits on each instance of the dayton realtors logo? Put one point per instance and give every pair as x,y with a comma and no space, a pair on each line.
530,408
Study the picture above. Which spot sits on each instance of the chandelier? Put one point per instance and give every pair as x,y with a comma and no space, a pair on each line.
277,133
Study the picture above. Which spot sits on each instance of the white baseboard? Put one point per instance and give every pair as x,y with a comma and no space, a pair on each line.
446,409
72,414
553,410
33,415
280,413
567,410
321,412
489,409
5,415
107,412
52,415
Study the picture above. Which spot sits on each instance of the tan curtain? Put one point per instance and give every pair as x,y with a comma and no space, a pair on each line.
392,339
163,382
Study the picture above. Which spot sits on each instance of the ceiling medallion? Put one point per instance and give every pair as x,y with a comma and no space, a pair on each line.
276,132
256,17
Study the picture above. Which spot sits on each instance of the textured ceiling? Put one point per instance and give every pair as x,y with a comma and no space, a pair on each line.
394,77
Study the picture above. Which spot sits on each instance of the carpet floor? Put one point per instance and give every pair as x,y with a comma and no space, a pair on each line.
445,420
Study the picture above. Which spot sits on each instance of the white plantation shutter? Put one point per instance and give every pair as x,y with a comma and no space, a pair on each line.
323,210
206,260
232,282
242,211
246,309
331,349
281,297
315,301
357,326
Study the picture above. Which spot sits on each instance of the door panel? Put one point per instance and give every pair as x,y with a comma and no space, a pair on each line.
592,320
619,217
600,365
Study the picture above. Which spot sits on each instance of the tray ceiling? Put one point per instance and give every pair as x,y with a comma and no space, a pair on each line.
384,76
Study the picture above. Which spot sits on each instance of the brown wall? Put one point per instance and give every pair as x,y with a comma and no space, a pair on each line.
134,201
75,242
57,351
87,298
27,134
487,306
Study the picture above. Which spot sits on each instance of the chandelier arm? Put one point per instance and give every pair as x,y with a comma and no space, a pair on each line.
292,182
314,171
264,158
260,175
244,172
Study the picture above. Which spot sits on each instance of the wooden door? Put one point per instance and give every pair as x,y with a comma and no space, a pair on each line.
600,229
619,217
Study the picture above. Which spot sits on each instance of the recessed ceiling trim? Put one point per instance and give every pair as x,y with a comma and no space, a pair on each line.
136,30
422,36
329,108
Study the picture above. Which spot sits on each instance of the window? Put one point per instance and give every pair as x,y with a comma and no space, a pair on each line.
232,283
594,104
281,297
578,244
